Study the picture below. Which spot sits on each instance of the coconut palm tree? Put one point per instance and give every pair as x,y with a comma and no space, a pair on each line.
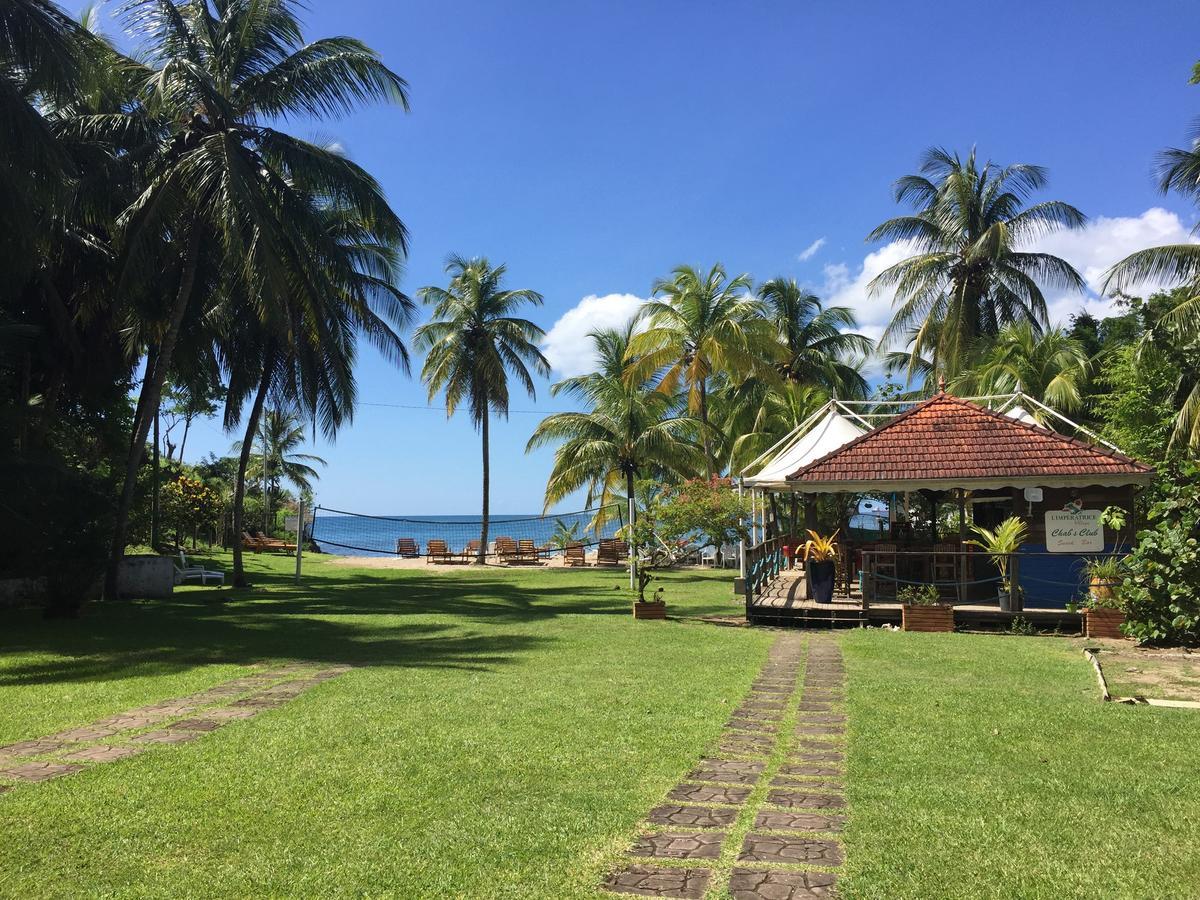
305,353
699,325
1173,265
1050,366
630,431
280,434
473,344
969,274
821,342
223,181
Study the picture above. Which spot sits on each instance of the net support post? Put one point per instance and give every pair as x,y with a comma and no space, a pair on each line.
299,537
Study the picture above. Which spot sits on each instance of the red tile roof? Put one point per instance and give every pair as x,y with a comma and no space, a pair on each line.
950,439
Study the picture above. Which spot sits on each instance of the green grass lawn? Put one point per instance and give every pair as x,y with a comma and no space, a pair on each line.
505,733
507,730
987,766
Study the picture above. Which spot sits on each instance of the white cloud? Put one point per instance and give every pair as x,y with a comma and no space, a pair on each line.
1092,250
567,345
811,250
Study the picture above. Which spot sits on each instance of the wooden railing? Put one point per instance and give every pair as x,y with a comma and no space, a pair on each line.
763,562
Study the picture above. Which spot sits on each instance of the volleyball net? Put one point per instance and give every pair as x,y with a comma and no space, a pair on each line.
349,533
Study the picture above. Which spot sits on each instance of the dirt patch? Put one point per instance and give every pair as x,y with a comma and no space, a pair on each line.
1132,671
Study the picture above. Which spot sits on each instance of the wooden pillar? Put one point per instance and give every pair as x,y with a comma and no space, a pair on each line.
962,543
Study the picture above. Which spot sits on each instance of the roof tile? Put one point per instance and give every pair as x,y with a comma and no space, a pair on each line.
948,437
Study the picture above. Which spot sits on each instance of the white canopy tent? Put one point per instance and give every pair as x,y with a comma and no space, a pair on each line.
807,443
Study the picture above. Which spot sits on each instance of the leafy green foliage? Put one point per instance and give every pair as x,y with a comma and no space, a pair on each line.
1161,592
709,507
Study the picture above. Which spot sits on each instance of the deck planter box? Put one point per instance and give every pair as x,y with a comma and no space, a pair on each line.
649,610
820,579
1103,622
927,618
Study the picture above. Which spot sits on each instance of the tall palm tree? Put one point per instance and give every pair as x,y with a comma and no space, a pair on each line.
1173,265
305,353
629,430
820,341
699,325
757,415
969,275
473,343
222,180
1050,366
280,434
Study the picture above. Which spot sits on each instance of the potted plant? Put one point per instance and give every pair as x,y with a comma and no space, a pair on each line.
921,609
643,537
1000,544
820,558
1103,612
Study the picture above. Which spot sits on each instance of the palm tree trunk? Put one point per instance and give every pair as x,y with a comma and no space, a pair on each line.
239,490
483,530
155,499
708,459
187,423
633,547
148,401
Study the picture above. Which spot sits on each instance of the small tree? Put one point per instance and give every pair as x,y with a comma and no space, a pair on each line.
707,507
1161,593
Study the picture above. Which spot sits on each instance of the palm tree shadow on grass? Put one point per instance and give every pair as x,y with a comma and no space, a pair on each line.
322,621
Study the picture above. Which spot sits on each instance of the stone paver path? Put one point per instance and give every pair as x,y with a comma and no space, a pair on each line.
177,721
763,813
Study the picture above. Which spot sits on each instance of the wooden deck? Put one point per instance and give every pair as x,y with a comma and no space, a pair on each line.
784,603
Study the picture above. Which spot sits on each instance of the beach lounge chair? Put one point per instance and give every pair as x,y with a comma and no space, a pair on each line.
185,572
622,550
407,548
708,556
506,550
251,543
606,554
270,543
527,552
471,551
437,552
575,555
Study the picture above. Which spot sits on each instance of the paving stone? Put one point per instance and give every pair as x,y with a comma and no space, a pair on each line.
820,730
791,781
722,776
85,733
198,724
126,722
779,849
159,711
825,696
262,702
237,712
679,844
102,753
758,715
799,799
749,744
773,687
165,737
653,881
754,725
806,745
813,706
709,793
808,770
816,718
32,748
740,766
817,756
39,771
692,816
774,884
776,820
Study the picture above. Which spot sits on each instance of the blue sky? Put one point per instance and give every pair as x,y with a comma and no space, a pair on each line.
592,146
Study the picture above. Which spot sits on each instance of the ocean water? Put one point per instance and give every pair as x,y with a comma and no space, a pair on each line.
353,535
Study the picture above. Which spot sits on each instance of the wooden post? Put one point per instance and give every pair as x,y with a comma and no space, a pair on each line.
962,544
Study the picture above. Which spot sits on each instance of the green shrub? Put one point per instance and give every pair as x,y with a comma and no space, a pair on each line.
1161,592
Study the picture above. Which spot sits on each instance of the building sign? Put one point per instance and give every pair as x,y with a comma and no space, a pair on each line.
1074,530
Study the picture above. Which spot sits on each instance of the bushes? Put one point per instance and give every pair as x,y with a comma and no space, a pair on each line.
1161,593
